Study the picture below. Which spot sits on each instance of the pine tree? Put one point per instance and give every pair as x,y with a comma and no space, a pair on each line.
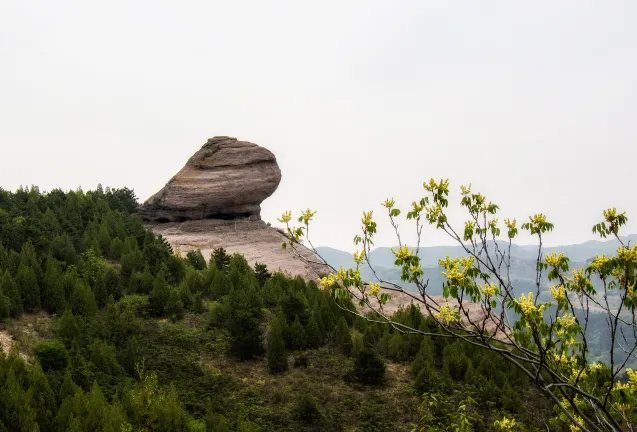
29,288
116,249
296,337
425,355
277,355
5,311
343,337
196,260
159,296
53,299
220,285
174,306
313,333
369,367
83,300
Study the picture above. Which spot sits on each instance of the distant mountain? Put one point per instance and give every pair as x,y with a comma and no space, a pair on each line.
522,263
430,255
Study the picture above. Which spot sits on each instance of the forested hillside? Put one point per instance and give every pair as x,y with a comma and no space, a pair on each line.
111,331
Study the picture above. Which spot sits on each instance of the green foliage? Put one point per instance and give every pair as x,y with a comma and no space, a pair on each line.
52,356
306,411
196,260
369,367
277,354
343,336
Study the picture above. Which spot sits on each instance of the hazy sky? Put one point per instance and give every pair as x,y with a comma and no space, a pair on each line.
532,102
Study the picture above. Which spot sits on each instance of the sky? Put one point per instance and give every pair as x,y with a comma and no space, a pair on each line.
533,103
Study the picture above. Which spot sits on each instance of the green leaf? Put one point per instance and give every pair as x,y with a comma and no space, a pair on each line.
284,245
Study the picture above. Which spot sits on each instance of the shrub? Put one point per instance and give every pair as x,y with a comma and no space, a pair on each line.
369,367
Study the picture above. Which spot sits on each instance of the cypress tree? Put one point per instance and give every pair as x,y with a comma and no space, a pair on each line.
277,355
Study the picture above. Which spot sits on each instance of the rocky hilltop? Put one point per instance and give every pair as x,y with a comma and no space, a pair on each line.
215,201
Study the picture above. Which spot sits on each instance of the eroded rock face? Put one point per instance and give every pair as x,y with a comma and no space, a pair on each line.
226,179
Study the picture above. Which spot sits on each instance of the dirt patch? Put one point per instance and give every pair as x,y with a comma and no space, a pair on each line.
6,342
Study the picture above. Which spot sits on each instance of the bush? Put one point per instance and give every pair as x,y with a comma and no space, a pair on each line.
306,410
369,367
52,355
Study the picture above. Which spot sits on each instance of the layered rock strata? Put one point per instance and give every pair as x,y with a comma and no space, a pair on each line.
225,179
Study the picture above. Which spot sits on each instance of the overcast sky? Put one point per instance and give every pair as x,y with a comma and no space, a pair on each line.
532,102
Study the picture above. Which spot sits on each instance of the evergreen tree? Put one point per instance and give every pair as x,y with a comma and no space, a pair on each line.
159,296
220,285
83,301
296,336
116,249
175,306
262,273
196,260
369,367
53,298
312,333
29,288
221,259
343,337
277,355
5,311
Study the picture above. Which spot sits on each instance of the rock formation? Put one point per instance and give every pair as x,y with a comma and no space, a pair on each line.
226,179
215,201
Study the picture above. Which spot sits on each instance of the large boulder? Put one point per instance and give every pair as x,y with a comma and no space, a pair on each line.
226,179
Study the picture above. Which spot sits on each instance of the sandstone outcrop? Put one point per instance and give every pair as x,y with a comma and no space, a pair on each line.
225,179
255,240
215,201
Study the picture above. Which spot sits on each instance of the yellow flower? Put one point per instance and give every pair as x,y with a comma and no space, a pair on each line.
328,281
564,324
627,254
599,262
374,289
558,292
286,217
403,253
490,289
447,314
307,216
595,366
389,203
526,304
505,424
359,257
367,217
632,378
554,259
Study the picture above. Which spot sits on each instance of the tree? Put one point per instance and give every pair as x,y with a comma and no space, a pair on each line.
277,355
221,259
343,336
313,335
369,367
296,336
159,296
29,288
83,300
196,260
262,273
545,340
